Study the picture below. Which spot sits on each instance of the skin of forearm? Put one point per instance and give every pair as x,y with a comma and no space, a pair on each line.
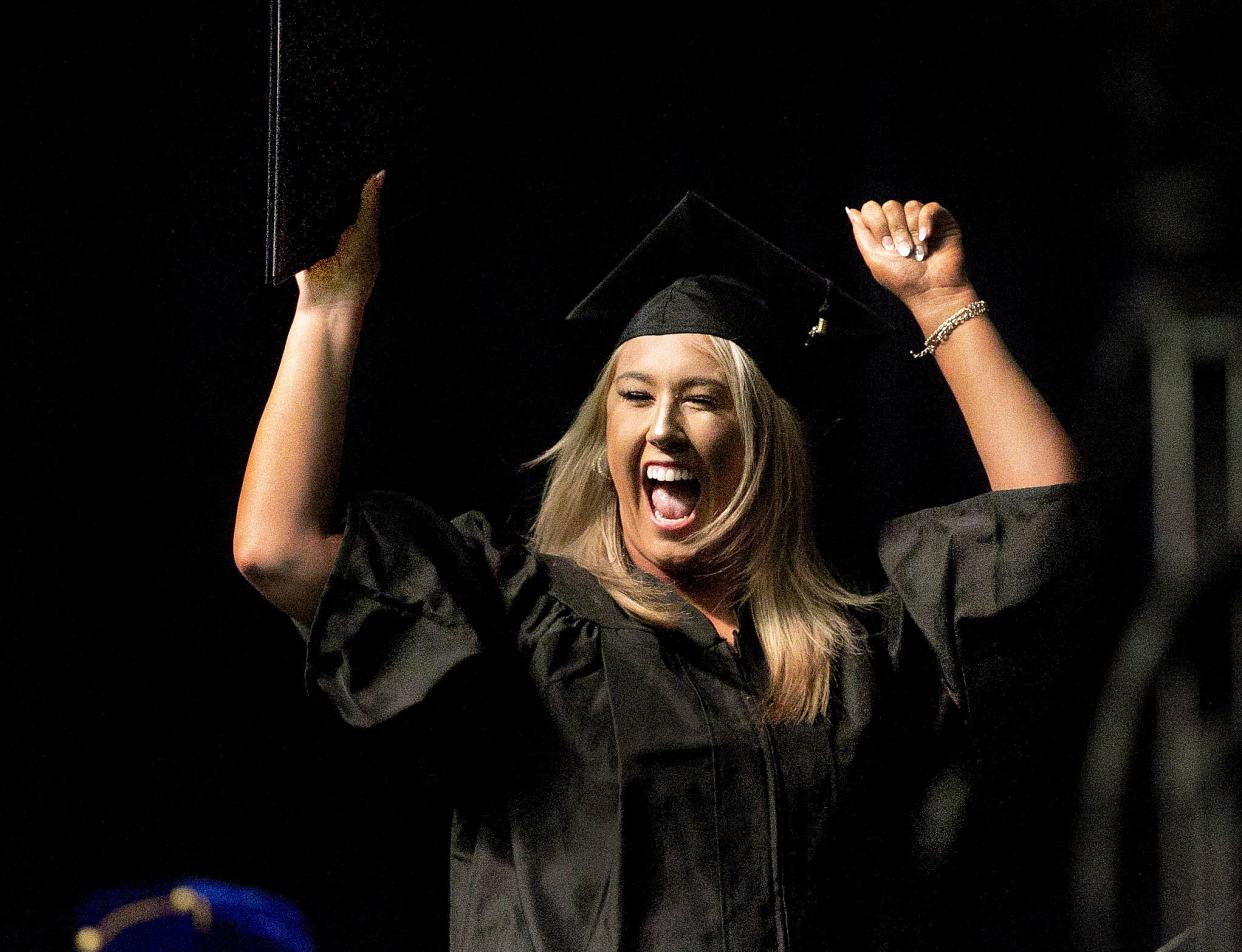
283,540
1019,440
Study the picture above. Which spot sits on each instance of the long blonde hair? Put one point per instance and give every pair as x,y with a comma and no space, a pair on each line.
762,543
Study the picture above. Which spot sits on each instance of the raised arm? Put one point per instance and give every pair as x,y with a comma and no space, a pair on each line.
282,540
915,251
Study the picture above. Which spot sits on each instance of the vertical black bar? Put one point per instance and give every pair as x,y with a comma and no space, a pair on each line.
273,141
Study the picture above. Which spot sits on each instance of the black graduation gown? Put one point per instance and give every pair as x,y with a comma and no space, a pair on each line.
615,787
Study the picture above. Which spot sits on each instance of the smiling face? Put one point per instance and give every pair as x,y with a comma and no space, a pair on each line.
675,449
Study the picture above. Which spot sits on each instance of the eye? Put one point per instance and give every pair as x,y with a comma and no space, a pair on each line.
634,396
703,400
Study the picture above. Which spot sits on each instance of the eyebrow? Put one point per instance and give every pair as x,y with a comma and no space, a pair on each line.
683,383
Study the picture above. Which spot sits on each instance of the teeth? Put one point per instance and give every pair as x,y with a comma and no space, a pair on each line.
668,474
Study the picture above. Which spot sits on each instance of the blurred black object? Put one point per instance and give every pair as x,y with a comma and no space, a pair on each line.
345,86
1159,852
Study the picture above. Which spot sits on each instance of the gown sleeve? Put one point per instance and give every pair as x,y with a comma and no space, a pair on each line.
411,599
998,587
997,598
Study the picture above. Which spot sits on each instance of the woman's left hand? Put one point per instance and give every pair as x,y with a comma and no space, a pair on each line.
914,250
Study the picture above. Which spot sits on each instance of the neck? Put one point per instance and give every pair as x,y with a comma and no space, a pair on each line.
711,596
717,604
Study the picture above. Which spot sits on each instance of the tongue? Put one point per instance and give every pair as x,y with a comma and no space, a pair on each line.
675,500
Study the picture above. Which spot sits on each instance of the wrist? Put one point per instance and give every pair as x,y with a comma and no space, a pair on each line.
330,313
933,306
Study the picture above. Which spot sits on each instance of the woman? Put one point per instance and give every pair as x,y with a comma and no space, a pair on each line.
670,728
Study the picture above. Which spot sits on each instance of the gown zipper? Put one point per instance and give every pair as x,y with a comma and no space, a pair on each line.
778,883
769,757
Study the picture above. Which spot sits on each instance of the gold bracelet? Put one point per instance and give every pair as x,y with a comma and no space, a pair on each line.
941,333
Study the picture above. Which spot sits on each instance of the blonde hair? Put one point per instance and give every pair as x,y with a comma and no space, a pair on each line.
761,544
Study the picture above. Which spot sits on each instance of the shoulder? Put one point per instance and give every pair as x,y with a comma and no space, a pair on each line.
551,600
1023,534
980,578
394,535
1046,502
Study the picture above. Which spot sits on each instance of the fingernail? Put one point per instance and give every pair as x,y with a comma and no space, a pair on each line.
887,241
923,233
919,253
379,178
903,248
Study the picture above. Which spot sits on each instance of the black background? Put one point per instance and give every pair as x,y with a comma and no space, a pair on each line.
157,723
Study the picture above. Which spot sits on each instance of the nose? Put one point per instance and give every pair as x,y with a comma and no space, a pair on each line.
665,431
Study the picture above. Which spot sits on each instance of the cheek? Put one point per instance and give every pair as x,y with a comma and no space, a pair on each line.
726,457
620,445
611,435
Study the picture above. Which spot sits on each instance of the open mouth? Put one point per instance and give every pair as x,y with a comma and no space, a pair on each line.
673,494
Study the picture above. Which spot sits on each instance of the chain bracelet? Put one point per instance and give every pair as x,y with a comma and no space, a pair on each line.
941,333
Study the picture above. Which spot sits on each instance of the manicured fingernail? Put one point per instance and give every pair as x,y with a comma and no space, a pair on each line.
887,241
903,248
919,253
379,178
923,233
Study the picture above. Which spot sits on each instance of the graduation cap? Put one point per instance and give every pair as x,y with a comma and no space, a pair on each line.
699,271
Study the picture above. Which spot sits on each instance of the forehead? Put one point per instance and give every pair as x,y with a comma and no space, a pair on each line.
669,355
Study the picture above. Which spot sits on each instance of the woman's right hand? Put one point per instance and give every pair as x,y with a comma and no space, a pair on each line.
344,281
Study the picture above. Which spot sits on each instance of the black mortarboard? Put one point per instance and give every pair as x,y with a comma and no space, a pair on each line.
700,271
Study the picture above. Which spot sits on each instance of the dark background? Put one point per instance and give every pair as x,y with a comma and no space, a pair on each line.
157,723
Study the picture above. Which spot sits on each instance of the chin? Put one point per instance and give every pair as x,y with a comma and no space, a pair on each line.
663,557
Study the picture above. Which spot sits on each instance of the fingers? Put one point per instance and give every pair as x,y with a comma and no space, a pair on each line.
368,210
877,224
867,242
900,229
912,210
888,225
927,219
895,215
362,237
